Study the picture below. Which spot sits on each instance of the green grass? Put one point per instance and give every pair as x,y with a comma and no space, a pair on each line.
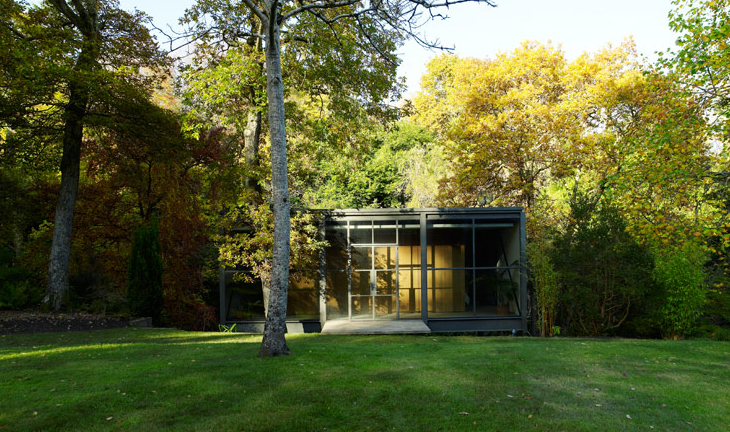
154,379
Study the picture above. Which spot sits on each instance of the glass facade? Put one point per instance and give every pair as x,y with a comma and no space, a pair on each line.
245,300
375,267
473,268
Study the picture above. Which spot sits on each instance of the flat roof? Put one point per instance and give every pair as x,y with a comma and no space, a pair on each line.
391,213
511,211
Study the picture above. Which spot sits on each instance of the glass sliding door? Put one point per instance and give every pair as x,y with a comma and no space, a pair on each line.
361,301
384,271
365,269
373,253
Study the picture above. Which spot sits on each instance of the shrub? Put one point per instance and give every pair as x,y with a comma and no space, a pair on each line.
680,275
206,317
144,276
603,271
711,331
17,290
547,287
20,294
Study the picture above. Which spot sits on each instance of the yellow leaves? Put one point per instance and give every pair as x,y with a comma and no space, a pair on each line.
526,116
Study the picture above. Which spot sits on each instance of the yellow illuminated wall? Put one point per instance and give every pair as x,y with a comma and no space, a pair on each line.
445,287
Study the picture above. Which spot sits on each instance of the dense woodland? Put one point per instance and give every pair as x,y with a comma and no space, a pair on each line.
622,166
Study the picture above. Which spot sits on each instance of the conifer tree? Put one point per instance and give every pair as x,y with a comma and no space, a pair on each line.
144,274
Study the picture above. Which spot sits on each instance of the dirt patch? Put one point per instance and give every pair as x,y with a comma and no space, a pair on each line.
37,322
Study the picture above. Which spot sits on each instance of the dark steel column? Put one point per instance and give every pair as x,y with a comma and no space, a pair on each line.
222,294
523,271
424,271
322,276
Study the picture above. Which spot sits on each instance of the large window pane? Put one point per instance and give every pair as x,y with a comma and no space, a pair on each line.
245,300
385,282
361,258
336,236
385,257
409,256
361,232
450,293
450,243
409,244
497,292
493,240
302,299
409,292
362,307
385,307
337,295
409,233
361,283
384,232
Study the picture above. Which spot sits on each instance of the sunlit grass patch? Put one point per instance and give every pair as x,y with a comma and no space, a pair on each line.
157,379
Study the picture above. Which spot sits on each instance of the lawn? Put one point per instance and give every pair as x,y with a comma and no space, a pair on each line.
155,379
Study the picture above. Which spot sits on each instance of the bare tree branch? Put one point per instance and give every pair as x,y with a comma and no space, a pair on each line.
256,11
319,5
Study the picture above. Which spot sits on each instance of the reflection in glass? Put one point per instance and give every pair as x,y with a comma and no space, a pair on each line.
385,307
385,282
361,258
385,257
302,299
361,232
336,236
337,295
361,283
384,232
450,293
362,307
245,300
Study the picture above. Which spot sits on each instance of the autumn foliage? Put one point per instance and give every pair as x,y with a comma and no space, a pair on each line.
622,166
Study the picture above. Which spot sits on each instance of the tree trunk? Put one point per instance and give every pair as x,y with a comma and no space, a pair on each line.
274,343
85,20
252,133
57,287
251,136
266,289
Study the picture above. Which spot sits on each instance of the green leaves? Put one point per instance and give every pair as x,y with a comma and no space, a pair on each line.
702,59
680,275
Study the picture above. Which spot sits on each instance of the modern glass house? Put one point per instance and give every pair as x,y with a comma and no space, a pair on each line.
449,270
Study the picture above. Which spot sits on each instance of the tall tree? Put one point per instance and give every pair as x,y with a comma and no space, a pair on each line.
142,168
702,58
268,20
87,55
510,124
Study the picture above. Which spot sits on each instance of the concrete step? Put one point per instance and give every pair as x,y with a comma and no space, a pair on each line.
375,327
